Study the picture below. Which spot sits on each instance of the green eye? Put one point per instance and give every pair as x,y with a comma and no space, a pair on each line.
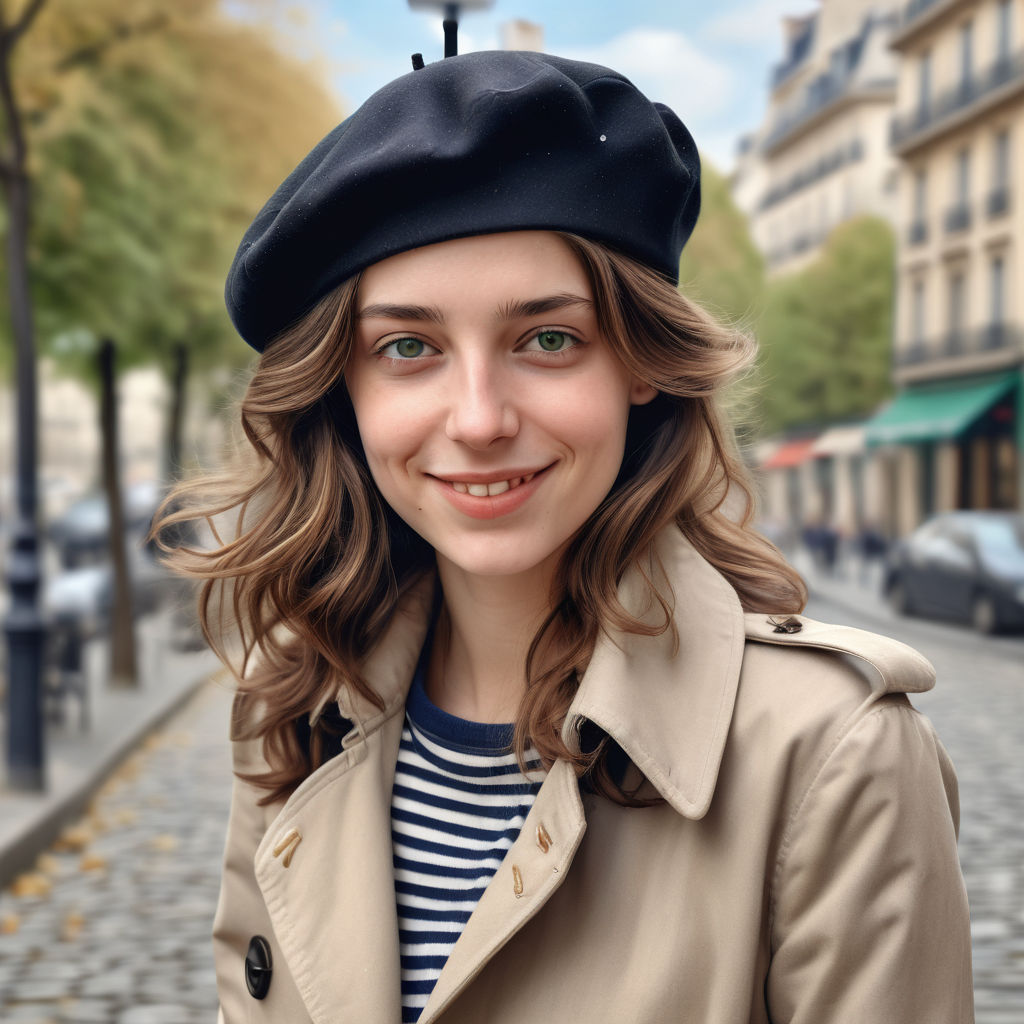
553,341
409,348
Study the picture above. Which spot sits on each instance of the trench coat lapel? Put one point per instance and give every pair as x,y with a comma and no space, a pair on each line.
332,902
531,872
667,700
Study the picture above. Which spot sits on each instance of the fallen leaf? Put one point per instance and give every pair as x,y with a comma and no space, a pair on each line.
73,839
72,926
31,884
47,864
92,862
9,924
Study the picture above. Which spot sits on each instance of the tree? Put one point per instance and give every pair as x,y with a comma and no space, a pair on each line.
157,131
721,268
825,332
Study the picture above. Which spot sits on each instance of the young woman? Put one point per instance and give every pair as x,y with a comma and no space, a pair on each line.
527,727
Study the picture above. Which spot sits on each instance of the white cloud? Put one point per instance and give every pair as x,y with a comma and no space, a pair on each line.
755,24
668,68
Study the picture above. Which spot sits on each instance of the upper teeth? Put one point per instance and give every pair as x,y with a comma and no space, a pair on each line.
490,490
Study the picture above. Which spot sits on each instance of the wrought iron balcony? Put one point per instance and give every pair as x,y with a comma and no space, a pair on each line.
958,218
812,173
821,94
958,344
1002,72
998,201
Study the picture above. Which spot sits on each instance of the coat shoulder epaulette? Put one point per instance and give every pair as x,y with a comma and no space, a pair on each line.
900,669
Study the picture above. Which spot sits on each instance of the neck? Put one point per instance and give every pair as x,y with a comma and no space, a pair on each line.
477,666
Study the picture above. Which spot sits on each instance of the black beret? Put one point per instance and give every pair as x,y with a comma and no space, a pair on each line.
470,145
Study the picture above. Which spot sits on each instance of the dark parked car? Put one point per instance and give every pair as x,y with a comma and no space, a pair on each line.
964,565
81,534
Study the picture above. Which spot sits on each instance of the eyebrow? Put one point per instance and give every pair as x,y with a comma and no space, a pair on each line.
515,309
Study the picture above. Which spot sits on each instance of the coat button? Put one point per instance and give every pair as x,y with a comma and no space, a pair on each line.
258,967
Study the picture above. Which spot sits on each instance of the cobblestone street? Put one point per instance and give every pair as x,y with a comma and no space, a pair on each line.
114,924
977,707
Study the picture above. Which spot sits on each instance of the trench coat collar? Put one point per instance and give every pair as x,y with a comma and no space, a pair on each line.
667,699
668,704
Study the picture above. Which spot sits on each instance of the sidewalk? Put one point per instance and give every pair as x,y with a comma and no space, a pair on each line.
79,761
846,586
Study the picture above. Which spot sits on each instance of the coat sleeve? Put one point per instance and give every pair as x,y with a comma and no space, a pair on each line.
870,919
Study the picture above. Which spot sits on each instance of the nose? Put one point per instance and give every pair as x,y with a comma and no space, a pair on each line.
482,405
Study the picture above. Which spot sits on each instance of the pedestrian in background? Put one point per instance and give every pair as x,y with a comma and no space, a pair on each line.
527,727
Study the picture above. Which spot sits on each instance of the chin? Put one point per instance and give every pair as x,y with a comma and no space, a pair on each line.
496,559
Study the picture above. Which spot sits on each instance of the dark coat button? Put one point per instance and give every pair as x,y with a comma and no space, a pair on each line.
258,967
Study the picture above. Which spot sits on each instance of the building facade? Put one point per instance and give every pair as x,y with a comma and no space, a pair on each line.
954,434
822,155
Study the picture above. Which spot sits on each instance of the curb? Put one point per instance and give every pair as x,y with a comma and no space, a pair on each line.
58,810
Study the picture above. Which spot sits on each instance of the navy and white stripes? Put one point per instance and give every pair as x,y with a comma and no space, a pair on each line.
458,804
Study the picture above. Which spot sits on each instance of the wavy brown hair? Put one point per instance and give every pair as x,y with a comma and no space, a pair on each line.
315,562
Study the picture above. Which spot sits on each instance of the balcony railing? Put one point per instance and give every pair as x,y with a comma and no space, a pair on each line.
958,218
997,337
917,233
820,169
998,201
915,11
928,115
823,92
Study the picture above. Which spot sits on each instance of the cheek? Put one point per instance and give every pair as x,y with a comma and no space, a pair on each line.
388,428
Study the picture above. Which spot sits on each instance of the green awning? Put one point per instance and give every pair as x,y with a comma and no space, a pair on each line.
939,410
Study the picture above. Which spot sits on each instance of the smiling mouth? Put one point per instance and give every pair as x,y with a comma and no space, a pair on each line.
492,488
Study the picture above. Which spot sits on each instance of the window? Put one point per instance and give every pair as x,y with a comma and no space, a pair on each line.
997,289
920,194
1001,160
962,176
1004,30
924,82
956,303
966,55
917,314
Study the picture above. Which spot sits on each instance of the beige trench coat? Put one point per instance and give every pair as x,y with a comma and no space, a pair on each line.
802,869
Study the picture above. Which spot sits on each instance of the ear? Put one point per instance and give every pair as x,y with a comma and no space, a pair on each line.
640,392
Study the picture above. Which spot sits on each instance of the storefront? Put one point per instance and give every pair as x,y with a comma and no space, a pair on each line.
951,444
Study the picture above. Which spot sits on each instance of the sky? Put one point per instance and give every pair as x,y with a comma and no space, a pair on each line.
710,61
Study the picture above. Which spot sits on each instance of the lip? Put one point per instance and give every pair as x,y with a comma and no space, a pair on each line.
491,507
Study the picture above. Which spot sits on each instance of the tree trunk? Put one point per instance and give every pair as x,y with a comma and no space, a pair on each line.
123,671
176,416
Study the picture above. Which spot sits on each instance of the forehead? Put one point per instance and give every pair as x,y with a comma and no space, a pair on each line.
513,263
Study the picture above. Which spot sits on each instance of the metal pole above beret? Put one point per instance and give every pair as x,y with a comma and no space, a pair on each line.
451,17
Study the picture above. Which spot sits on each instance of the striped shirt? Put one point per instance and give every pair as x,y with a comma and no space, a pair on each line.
458,804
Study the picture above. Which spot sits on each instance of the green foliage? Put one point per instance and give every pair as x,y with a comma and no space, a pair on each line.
721,267
155,132
825,332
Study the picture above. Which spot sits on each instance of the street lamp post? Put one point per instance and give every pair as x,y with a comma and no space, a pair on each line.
24,626
451,17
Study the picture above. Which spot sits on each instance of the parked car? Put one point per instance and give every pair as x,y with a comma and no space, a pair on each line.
963,565
81,535
85,594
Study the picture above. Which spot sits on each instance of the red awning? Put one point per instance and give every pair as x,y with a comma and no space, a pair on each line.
790,453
